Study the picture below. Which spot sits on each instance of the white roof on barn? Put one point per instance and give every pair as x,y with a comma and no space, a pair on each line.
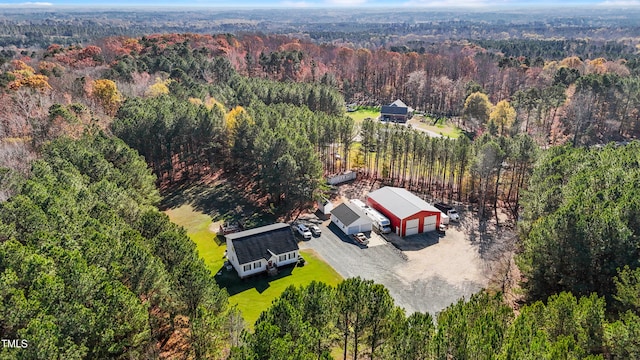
400,202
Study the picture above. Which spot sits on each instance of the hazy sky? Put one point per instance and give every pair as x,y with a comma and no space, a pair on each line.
329,3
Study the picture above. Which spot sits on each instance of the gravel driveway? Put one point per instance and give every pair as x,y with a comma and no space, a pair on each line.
430,275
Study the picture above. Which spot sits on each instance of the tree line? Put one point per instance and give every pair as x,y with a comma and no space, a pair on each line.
580,221
359,318
184,140
492,170
546,92
583,101
90,269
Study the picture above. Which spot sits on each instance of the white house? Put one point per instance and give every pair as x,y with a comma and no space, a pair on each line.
350,219
260,249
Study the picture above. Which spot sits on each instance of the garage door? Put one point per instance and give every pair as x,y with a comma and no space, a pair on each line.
429,223
365,227
353,230
412,227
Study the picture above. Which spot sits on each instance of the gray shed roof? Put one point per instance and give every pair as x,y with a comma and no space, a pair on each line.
400,202
348,213
255,244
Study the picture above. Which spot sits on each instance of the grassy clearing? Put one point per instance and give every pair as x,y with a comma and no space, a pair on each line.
361,114
253,295
445,129
197,224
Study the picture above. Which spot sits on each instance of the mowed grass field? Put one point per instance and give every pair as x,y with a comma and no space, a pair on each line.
253,295
361,114
445,129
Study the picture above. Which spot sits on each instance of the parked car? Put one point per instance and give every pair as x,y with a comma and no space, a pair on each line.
315,230
442,228
303,230
361,239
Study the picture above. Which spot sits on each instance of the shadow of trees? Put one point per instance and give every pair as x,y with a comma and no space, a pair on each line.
230,281
222,200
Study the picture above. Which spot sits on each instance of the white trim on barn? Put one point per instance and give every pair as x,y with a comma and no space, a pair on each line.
412,227
430,223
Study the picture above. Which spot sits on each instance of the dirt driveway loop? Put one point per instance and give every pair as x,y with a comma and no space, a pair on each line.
423,273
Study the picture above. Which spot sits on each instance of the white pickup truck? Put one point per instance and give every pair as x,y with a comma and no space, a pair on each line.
449,211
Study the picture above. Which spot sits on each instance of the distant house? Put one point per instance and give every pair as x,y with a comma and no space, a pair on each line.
397,111
261,249
350,219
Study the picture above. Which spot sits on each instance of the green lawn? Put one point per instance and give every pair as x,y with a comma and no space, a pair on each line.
253,295
446,129
197,226
362,114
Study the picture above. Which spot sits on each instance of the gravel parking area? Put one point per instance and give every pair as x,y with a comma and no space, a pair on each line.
428,274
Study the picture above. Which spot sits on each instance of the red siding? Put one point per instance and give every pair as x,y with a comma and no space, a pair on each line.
420,216
395,221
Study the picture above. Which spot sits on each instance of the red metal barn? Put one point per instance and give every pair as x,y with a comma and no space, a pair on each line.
408,213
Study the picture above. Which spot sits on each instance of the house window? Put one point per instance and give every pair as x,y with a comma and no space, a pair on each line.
282,258
292,255
247,267
257,265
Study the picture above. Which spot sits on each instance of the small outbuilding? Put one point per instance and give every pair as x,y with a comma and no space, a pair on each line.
262,249
325,206
342,177
350,219
408,213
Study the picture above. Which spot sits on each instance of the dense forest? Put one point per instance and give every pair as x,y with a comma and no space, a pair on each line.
89,268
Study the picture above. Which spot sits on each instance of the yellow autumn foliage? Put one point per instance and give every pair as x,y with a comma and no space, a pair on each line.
25,77
106,93
503,115
572,62
195,101
20,65
231,119
159,88
211,102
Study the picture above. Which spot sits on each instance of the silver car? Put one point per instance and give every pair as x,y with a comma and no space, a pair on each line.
315,230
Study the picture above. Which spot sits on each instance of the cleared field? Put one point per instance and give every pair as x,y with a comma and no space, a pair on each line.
197,224
447,129
361,114
253,295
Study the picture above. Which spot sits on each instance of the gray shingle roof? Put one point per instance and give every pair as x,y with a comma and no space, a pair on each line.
400,202
255,244
346,213
394,110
